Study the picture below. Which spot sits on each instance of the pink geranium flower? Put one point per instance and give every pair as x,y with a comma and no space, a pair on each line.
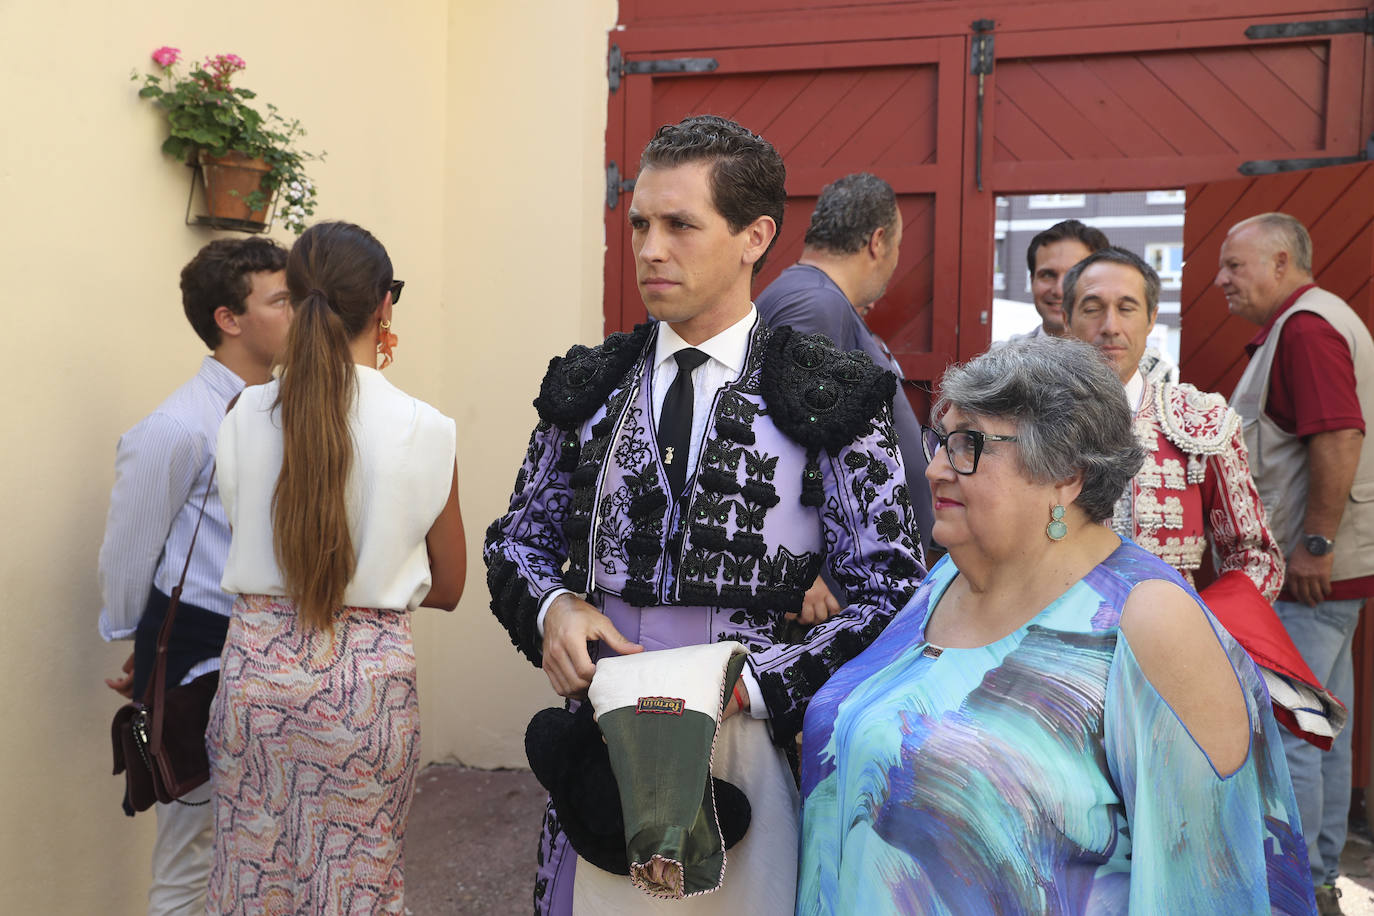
164,56
205,113
224,63
221,67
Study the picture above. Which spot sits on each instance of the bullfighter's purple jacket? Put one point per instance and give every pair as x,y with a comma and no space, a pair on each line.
799,467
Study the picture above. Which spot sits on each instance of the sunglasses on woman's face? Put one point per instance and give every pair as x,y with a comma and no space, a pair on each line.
396,287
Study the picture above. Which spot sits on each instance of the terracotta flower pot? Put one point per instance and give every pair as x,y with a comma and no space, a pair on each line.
229,179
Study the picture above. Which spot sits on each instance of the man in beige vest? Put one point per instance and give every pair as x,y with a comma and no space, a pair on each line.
1303,401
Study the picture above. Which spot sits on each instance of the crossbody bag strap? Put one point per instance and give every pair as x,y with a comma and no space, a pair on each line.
157,684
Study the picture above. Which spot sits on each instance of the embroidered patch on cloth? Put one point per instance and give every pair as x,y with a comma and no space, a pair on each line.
663,706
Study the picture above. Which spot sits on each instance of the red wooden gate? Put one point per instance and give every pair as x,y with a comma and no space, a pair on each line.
1080,95
831,109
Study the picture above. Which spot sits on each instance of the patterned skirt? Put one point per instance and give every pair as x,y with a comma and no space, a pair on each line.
314,741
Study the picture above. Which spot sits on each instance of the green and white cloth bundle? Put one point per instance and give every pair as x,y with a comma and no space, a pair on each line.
660,713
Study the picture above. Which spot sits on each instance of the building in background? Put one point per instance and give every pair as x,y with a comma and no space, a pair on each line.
1149,223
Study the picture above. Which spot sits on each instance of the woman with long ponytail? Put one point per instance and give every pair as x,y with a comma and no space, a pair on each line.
342,492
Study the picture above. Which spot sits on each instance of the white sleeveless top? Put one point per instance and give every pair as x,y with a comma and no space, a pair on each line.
399,481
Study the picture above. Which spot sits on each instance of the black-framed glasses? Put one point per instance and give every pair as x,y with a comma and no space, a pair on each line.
395,288
963,447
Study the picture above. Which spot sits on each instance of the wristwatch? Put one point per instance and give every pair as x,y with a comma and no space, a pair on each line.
1317,545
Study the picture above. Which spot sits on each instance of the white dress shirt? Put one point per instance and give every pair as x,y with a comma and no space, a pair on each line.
725,352
1135,391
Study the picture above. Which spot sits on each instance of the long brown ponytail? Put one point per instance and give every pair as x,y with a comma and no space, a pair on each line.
337,274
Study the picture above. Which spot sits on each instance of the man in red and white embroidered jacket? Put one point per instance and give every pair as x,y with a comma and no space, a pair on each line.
1195,487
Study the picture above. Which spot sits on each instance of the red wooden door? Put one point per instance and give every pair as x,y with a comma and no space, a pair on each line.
1337,207
1083,95
1115,105
888,107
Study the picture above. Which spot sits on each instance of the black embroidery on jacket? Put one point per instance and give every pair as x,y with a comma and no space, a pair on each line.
577,529
819,395
511,601
577,384
725,567
648,503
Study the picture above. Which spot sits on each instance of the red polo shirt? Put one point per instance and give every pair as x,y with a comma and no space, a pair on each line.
1312,390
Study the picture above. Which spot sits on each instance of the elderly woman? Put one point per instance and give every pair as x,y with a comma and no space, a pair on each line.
1054,723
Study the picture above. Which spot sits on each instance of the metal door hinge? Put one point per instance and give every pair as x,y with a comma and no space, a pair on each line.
1312,27
1273,166
615,185
980,65
617,66
980,54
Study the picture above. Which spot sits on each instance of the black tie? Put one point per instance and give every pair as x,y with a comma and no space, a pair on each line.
675,422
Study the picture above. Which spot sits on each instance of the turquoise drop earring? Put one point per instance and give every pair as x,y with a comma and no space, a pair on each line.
1056,529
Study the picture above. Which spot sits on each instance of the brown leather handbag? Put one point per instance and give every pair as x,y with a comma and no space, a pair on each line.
159,741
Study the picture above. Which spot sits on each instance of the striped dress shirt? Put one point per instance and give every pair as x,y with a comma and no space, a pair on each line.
162,470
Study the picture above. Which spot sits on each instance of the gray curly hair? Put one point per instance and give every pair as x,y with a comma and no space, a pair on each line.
849,211
1069,408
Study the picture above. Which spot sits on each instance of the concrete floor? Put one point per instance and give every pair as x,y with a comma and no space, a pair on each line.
1357,878
470,846
470,842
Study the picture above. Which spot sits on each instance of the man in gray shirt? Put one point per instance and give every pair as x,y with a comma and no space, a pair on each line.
849,256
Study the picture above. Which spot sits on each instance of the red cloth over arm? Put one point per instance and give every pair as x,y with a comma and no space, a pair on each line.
1252,622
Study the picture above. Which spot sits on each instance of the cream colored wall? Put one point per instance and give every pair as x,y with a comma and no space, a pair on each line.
524,243
436,143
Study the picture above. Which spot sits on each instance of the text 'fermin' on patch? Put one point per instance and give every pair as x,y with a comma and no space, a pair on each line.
663,706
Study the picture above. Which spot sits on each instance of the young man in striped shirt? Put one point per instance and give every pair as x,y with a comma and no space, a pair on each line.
234,295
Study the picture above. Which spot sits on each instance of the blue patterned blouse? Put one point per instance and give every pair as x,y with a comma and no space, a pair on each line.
1039,774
